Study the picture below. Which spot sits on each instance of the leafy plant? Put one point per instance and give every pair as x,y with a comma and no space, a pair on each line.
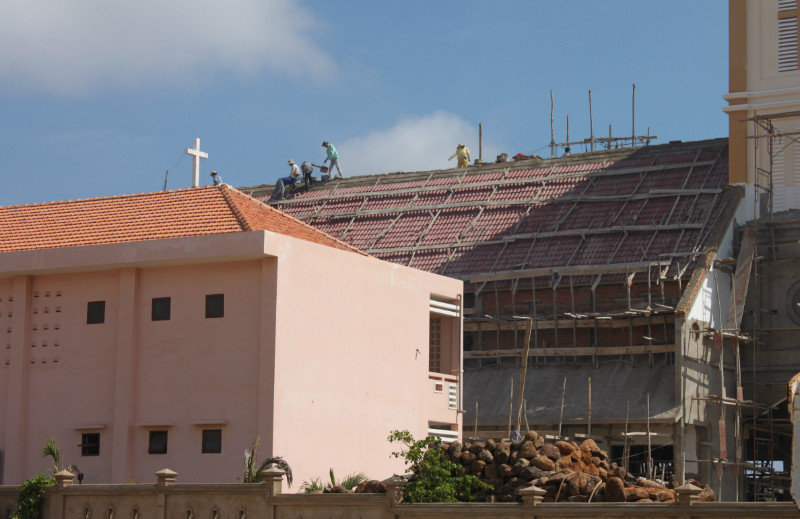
31,495
51,450
349,482
252,470
312,486
435,478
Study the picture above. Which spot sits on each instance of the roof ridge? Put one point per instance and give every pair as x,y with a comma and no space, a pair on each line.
237,212
110,197
262,205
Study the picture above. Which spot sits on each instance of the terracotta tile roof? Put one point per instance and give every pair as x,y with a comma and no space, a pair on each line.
147,216
607,207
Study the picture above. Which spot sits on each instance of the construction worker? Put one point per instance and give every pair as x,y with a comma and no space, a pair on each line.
463,156
216,178
333,156
280,186
307,168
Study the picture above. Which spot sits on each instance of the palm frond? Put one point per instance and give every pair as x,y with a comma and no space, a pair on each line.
281,463
311,486
50,449
353,480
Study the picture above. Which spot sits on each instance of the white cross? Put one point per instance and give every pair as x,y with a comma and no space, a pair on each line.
196,156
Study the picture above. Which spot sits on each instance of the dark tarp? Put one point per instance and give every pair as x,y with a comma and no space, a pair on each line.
613,383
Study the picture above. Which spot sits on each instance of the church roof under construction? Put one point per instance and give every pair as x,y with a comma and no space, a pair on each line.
582,214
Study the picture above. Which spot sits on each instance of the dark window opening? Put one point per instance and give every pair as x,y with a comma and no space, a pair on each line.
161,308
212,441
96,312
158,442
90,444
215,306
435,345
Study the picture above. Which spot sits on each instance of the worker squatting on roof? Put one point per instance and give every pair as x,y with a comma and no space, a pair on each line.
463,156
304,171
280,186
216,178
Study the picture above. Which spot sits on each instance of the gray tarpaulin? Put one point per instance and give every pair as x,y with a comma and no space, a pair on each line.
613,383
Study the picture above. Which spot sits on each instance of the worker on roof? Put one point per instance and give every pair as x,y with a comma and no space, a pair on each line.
280,186
307,168
333,156
463,156
216,178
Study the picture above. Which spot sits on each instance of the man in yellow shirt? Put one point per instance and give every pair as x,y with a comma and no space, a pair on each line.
463,156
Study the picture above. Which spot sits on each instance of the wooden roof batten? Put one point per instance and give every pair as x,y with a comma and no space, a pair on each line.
506,182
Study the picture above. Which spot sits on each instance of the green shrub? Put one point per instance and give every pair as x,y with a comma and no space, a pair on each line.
31,495
435,478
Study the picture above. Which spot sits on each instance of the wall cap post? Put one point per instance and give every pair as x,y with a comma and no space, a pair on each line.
395,488
687,493
166,477
64,478
532,495
274,478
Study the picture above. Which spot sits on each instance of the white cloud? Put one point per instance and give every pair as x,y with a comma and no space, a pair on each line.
413,144
75,46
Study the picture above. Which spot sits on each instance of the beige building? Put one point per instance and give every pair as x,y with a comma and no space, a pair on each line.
764,99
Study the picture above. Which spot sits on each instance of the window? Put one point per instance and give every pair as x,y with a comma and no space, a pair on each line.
158,442
212,441
787,35
96,312
215,305
161,307
90,444
435,345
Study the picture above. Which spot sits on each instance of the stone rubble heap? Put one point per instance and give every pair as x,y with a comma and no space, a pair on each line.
566,470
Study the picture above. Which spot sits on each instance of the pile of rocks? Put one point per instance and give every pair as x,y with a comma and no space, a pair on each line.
566,470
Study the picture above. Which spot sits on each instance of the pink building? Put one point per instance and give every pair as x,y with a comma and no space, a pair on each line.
171,329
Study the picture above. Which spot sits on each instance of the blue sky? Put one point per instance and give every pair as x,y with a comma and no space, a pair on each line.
98,99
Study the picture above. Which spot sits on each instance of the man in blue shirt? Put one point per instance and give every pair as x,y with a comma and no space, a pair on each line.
280,189
333,156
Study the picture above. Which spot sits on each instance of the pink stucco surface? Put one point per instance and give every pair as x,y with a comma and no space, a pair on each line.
321,353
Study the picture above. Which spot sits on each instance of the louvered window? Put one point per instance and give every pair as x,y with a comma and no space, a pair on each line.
787,35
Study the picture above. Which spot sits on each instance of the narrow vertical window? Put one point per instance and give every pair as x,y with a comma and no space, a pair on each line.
215,306
435,345
90,444
787,35
96,312
212,441
161,308
158,442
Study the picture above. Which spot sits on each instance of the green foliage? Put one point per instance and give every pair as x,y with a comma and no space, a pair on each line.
50,449
252,470
435,478
349,482
312,486
31,495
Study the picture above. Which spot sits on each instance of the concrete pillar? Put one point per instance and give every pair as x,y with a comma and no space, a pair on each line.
274,479
17,401
125,375
266,354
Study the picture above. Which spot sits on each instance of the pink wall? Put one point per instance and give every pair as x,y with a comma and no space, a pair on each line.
352,351
5,357
342,329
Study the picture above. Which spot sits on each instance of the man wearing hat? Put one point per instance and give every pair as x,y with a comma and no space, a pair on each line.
463,156
280,186
216,178
333,156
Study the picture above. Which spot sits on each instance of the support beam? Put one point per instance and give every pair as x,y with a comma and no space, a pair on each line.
574,352
508,182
